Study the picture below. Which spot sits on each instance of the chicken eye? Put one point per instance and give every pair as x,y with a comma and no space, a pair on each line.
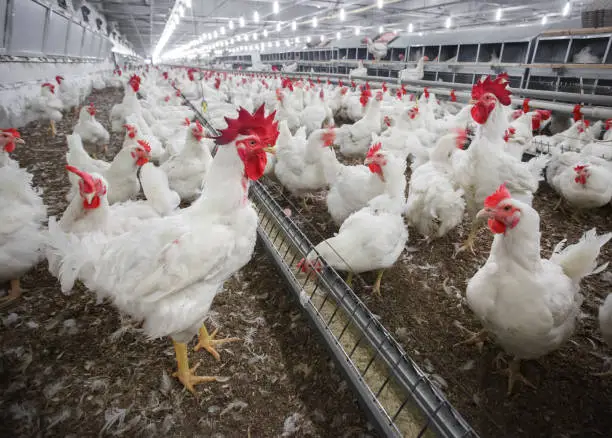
507,208
252,142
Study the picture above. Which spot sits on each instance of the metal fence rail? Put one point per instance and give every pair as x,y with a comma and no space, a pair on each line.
396,394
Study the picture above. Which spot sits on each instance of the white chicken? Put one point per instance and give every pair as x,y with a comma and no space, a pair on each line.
299,166
416,73
359,71
354,139
583,181
121,173
90,129
528,304
378,49
370,239
69,94
187,170
168,272
351,187
435,204
21,217
47,106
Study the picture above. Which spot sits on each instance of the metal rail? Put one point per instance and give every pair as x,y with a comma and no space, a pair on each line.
396,394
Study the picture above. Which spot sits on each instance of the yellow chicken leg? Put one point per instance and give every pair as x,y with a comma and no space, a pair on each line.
208,342
514,375
53,129
476,338
377,282
186,374
14,293
349,279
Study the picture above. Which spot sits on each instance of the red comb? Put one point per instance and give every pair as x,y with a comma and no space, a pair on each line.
12,131
608,124
328,137
145,144
453,96
426,92
373,149
250,124
88,181
51,86
498,196
577,112
187,122
497,87
580,167
526,105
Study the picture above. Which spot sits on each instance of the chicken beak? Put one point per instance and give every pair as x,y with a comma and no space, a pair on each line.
270,150
485,213
19,141
89,197
368,160
472,101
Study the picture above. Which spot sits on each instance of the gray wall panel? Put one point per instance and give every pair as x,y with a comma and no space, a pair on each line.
75,38
28,27
55,42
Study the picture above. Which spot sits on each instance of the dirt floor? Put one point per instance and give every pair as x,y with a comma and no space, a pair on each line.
70,367
423,299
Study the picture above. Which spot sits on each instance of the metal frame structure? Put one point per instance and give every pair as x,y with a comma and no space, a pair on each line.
396,394
75,39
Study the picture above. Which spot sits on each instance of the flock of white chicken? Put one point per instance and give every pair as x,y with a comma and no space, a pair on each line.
163,264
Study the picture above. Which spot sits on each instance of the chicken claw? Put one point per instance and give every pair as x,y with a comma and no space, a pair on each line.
208,342
13,294
514,375
476,338
185,374
377,283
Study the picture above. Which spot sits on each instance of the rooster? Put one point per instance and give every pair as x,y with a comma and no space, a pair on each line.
528,304
486,165
21,218
168,272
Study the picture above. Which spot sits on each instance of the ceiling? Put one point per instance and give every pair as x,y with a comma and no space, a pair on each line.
142,22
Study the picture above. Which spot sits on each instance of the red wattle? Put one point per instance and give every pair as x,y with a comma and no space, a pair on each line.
479,113
496,226
9,147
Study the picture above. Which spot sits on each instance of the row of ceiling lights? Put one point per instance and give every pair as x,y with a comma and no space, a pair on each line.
182,4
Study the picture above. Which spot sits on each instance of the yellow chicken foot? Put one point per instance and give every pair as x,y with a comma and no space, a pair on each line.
208,342
377,282
558,204
476,338
185,374
14,293
53,129
349,279
514,375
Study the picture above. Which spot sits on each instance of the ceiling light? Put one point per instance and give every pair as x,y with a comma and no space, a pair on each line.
498,14
181,11
322,38
342,15
448,23
410,27
231,24
287,43
380,29
308,39
222,30
231,40
275,8
566,9
209,36
241,21
265,33
420,33
256,17
270,43
278,27
215,34
314,22
544,19
379,3
293,25
246,37
255,36
357,30
338,35
297,40
278,44
187,3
